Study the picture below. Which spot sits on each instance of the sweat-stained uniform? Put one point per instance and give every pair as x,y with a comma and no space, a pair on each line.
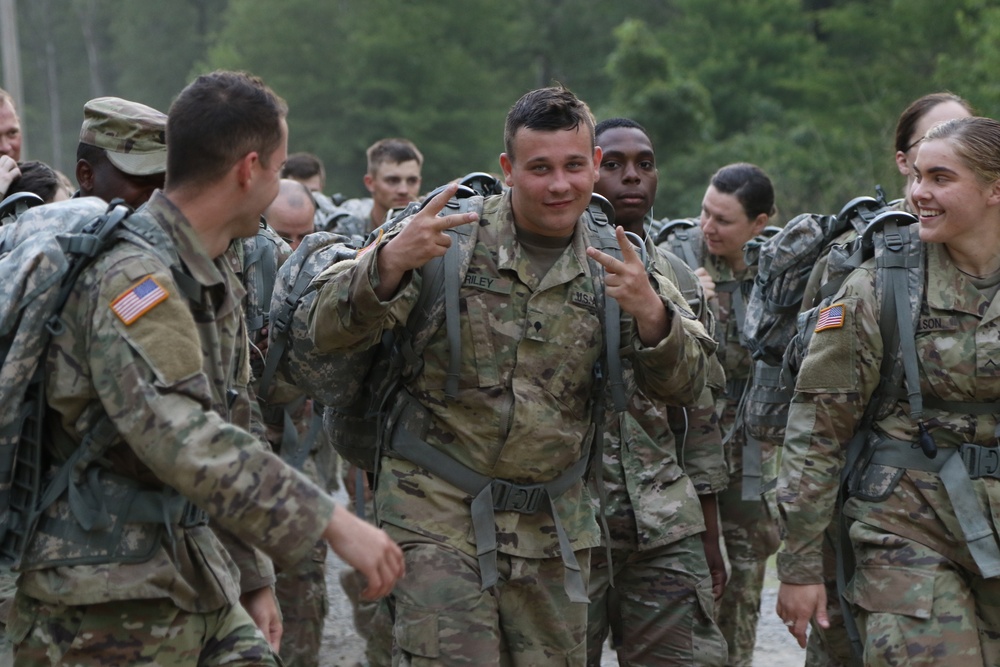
749,527
918,590
522,413
662,596
169,377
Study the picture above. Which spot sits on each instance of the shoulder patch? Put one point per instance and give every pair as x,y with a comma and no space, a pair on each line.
138,300
831,317
371,245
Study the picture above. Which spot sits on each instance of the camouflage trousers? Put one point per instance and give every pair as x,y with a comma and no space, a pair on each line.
301,593
133,632
663,598
916,607
442,617
750,532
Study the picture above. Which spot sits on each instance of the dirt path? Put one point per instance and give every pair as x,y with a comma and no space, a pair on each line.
343,648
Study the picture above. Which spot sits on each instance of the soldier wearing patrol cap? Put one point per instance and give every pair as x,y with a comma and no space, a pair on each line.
122,151
148,403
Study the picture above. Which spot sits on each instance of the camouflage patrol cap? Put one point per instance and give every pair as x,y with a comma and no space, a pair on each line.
132,134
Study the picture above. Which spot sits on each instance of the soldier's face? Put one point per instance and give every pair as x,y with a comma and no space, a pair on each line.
108,182
551,174
726,225
394,184
10,132
953,205
628,174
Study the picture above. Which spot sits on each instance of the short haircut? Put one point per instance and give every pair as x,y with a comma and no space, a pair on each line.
616,123
917,109
92,154
5,97
36,177
750,185
303,166
218,119
547,109
393,150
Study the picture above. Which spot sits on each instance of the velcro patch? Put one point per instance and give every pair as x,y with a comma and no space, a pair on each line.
831,317
138,300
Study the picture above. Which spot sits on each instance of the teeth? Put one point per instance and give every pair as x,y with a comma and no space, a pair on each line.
929,213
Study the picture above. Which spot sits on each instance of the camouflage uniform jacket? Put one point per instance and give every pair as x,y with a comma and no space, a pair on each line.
353,219
174,384
529,344
957,342
652,481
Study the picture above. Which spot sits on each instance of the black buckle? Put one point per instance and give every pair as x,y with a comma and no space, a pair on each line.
193,516
980,461
510,497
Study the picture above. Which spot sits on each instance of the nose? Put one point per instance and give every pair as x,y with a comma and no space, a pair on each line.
558,182
630,174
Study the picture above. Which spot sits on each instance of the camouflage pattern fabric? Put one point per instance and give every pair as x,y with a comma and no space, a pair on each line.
358,219
302,597
442,617
135,632
666,606
545,376
651,508
910,540
749,528
174,382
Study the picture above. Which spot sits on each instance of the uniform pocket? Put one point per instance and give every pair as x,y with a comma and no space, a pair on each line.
893,590
416,631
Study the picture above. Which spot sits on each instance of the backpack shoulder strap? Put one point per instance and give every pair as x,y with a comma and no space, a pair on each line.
600,225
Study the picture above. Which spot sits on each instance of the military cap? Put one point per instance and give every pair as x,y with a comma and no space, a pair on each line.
132,134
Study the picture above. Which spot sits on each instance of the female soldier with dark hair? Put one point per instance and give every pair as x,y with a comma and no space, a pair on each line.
926,588
737,206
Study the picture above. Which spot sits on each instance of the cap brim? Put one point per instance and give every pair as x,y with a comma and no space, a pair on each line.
139,164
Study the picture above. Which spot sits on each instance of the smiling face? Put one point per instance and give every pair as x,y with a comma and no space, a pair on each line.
726,225
936,114
551,174
628,174
951,202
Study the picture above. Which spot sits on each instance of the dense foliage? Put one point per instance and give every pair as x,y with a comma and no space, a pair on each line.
808,89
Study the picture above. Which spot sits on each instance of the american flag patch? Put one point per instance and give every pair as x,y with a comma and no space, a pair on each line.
138,300
831,317
371,245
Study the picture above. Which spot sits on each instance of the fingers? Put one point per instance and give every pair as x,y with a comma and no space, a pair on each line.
438,204
613,264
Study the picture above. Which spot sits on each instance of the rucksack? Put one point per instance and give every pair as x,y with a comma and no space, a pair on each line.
354,386
41,256
793,274
16,204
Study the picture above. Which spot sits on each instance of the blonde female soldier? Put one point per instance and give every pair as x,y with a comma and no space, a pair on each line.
924,530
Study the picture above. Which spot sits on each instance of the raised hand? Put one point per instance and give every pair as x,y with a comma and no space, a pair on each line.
421,239
627,282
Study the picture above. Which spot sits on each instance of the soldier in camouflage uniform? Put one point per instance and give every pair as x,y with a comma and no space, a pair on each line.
925,587
737,206
393,179
308,170
301,590
830,646
151,375
530,336
661,607
121,151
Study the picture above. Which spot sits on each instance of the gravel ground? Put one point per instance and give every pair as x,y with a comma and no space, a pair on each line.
342,647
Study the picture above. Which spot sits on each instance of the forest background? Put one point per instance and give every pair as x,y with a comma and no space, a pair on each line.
808,89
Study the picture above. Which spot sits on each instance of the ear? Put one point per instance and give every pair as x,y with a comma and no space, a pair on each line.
508,167
369,183
901,164
84,176
245,167
759,223
994,196
598,154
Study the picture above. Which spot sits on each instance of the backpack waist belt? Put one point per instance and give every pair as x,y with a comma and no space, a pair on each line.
957,467
491,495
